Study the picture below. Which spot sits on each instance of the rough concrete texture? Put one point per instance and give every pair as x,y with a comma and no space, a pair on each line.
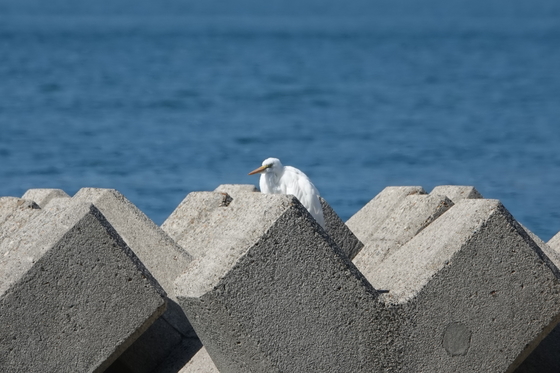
367,221
14,214
73,296
483,293
456,192
552,254
545,358
233,189
554,242
164,259
275,293
184,219
471,292
339,232
43,196
11,206
465,287
414,213
160,254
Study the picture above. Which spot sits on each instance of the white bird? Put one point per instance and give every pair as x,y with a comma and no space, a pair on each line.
279,179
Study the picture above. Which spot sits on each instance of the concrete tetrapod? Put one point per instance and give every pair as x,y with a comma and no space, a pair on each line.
339,232
471,292
415,212
43,196
554,242
369,219
185,219
456,192
256,297
73,296
14,214
546,357
483,293
166,261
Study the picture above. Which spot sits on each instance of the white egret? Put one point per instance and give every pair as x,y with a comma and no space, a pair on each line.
279,179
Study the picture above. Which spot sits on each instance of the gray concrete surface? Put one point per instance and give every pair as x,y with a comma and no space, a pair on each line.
483,293
274,293
470,292
546,357
552,254
43,196
164,259
456,192
554,242
160,253
14,214
339,232
414,213
73,296
11,206
184,218
369,218
233,189
465,288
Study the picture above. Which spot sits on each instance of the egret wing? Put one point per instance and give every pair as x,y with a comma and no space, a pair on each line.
299,185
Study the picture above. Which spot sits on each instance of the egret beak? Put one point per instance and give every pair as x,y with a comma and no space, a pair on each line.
258,170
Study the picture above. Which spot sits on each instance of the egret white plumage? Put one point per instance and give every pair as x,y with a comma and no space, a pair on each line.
279,179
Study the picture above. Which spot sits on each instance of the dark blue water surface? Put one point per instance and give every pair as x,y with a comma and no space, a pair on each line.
159,101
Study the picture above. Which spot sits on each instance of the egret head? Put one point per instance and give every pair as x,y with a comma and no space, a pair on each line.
268,165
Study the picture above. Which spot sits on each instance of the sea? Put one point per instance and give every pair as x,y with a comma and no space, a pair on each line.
160,99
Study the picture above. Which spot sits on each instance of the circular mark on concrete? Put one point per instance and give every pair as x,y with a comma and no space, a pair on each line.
456,339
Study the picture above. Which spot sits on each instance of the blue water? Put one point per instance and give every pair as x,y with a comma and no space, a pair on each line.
157,101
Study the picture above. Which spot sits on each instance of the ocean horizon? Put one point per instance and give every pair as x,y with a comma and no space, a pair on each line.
158,100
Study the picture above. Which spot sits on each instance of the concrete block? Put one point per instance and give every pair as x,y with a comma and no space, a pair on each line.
339,232
483,292
554,242
12,205
367,221
164,259
185,218
545,358
233,189
158,252
14,214
43,196
414,213
73,295
471,292
456,192
552,254
275,293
